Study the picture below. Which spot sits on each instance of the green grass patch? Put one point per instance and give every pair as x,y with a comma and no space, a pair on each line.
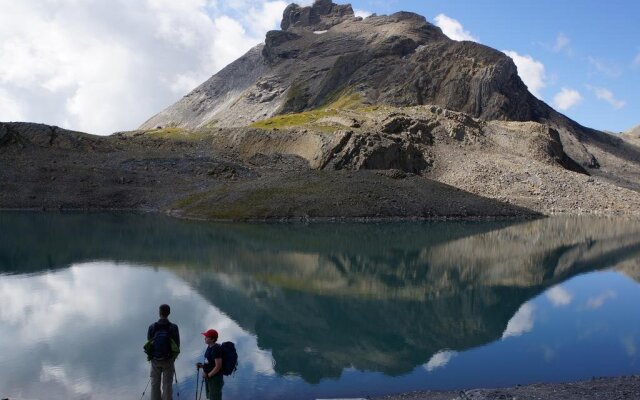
175,133
373,108
289,120
341,100
228,202
190,200
349,102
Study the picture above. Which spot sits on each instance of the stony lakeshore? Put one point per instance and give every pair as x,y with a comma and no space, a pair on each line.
619,388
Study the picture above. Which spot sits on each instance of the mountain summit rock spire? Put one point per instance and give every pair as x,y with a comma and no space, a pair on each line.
322,15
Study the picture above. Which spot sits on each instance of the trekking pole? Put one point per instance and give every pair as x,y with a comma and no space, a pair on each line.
202,384
145,388
197,380
175,375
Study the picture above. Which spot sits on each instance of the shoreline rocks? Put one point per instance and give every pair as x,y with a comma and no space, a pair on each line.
610,388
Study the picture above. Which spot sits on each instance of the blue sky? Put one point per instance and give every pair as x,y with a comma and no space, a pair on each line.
587,46
107,65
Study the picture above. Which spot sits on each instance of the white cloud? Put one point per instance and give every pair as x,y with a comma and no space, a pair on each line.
265,17
453,28
597,302
531,71
58,374
361,13
558,296
440,359
566,99
562,42
10,110
102,66
521,322
636,61
608,96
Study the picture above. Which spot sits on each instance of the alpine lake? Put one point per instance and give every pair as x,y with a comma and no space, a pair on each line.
317,311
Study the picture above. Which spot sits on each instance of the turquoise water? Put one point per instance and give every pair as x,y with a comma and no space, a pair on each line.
316,311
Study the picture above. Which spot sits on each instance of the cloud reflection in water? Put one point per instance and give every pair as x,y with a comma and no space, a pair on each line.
559,296
50,322
521,322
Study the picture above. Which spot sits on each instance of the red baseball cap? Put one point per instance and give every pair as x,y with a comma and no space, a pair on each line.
211,333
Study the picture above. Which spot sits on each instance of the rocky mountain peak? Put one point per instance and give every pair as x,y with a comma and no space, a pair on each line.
322,15
323,52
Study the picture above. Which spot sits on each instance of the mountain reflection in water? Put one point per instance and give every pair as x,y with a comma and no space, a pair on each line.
329,298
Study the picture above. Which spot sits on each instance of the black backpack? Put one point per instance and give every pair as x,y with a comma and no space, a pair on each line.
229,358
161,346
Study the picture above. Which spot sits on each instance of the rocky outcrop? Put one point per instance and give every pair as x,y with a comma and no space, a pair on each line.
322,15
402,144
9,137
23,134
634,131
632,136
395,140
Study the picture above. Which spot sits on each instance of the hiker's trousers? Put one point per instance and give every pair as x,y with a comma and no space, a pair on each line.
214,387
162,374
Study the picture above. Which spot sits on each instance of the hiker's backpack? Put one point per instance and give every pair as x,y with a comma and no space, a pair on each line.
161,346
229,358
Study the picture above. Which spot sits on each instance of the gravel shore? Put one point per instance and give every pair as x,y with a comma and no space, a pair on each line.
596,388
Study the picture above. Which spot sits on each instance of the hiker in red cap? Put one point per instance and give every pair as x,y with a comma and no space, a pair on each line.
212,366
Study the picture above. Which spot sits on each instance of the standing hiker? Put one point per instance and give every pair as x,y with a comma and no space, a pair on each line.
212,367
162,348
